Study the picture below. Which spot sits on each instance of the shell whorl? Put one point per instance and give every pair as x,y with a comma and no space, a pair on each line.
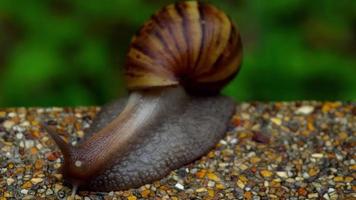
188,43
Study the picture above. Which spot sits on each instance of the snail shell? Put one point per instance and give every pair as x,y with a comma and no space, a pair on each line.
188,43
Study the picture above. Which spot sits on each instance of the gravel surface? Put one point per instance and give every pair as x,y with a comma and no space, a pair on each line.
299,150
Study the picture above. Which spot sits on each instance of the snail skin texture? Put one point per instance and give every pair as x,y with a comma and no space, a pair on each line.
175,67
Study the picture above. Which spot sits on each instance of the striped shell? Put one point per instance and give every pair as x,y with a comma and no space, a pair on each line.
186,43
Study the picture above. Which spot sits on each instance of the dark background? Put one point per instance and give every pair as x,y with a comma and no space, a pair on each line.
70,52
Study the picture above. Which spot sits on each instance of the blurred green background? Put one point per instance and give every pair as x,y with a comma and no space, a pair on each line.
70,52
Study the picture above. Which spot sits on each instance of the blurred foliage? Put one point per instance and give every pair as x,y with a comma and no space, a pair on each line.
71,52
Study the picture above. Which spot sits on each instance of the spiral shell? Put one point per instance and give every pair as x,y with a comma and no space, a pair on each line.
188,43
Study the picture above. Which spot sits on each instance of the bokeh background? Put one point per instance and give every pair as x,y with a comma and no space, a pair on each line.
70,52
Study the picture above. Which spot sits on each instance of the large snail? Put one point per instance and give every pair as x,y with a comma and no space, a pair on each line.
176,65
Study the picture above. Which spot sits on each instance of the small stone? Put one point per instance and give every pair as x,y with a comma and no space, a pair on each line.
317,155
302,191
248,195
29,143
146,193
36,180
304,110
349,179
330,190
282,174
58,176
343,135
290,180
338,178
266,173
255,159
201,173
49,192
211,184
240,184
179,186
220,186
33,150
8,124
335,196
277,121
131,197
213,176
243,179
24,191
313,171
27,185
58,187
10,181
201,190
313,195
38,164
243,167
260,137
326,196
80,134
211,192
52,156
19,136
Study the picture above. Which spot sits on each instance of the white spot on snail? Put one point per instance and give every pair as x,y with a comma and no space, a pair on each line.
78,163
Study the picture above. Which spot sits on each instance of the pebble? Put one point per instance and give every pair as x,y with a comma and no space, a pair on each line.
276,121
313,195
36,180
27,185
240,184
304,110
317,155
131,197
10,181
19,136
145,193
282,174
24,191
202,189
266,173
8,124
179,186
49,192
213,176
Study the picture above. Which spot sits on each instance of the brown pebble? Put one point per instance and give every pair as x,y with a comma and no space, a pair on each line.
145,193
201,173
131,197
38,164
302,191
313,171
260,137
266,173
338,178
248,195
27,185
33,150
213,176
52,156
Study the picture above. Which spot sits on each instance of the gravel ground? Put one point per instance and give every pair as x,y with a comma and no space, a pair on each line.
299,150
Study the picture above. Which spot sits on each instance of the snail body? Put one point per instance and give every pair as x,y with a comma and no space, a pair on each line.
175,68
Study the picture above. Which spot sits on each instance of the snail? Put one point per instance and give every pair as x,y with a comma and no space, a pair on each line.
176,66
